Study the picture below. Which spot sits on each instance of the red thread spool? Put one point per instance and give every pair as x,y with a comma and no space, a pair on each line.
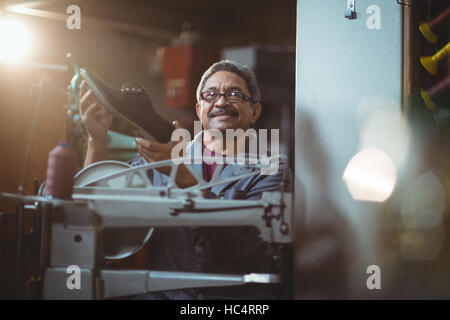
60,172
440,19
439,87
435,91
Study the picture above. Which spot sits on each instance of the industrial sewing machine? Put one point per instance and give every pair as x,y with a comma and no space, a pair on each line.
113,195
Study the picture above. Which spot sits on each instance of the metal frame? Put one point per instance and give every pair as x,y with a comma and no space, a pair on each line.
71,229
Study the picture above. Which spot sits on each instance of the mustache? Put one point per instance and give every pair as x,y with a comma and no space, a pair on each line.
222,112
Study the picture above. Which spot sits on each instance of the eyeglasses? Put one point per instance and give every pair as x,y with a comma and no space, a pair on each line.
231,97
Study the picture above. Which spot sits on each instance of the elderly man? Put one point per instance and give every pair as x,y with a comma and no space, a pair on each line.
228,98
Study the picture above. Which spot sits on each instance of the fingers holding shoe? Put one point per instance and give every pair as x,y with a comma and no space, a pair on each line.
154,151
97,120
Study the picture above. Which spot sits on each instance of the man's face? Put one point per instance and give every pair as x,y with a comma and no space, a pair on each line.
222,114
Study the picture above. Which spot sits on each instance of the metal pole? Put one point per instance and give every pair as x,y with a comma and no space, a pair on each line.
19,239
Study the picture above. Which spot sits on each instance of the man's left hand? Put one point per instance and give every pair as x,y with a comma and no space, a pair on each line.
154,151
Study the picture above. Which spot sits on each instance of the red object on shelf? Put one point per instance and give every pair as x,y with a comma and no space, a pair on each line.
430,29
438,89
182,66
439,19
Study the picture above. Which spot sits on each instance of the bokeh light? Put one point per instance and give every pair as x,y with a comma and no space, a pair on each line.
370,176
422,244
384,128
424,202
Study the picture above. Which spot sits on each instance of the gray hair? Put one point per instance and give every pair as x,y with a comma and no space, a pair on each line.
239,69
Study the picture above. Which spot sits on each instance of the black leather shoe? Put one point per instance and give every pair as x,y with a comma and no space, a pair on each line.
131,104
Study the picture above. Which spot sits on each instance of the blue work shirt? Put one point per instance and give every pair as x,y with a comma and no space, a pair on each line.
223,250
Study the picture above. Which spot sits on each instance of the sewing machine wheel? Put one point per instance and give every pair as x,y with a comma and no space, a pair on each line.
103,168
116,243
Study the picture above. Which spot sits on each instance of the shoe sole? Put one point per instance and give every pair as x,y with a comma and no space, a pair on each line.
104,102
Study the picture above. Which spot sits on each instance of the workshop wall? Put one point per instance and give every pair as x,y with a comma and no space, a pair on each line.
346,69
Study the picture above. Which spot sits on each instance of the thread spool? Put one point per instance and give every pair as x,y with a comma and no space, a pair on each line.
435,91
60,172
429,29
430,63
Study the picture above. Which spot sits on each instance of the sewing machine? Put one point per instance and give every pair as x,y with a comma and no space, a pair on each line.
113,195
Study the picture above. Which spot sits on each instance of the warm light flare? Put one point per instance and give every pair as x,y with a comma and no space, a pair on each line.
15,41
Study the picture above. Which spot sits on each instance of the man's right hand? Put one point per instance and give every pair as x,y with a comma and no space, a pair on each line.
97,120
